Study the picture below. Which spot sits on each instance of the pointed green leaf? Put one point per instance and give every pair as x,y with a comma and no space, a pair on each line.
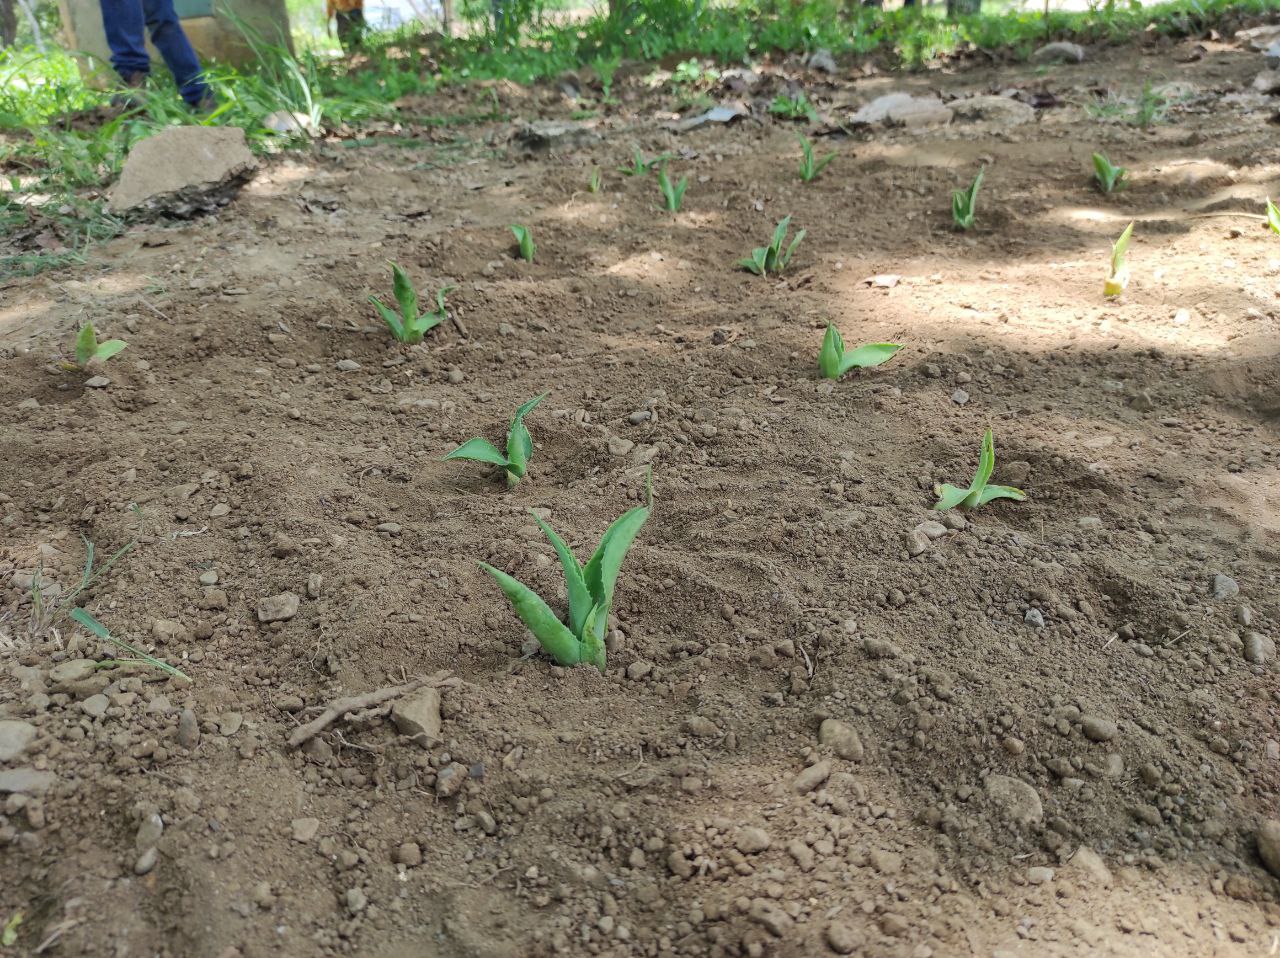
782,263
1000,492
108,349
575,583
872,354
419,327
1273,216
832,352
986,463
86,343
406,295
558,641
601,572
86,619
519,442
780,232
478,450
593,650
949,496
1119,249
390,318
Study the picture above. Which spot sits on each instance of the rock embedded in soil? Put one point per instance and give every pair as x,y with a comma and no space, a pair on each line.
842,739
1090,863
701,726
1003,111
68,673
1015,798
902,109
304,829
15,736
811,778
146,861
183,170
752,840
95,706
278,608
418,716
27,781
1098,729
1039,875
546,136
1224,587
1258,648
450,779
842,937
410,854
1268,839
188,729
1034,618
1060,52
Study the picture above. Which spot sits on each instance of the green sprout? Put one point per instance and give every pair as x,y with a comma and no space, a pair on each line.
834,361
672,194
88,348
795,107
409,326
596,183
771,259
1273,216
524,237
1118,278
964,202
979,492
1110,178
640,166
85,619
519,446
590,590
809,168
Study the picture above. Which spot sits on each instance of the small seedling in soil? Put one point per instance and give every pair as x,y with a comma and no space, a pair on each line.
140,658
1110,178
640,166
1273,216
596,183
1118,278
809,168
834,361
409,326
590,590
771,259
672,194
524,237
795,107
50,607
519,446
88,348
964,203
979,492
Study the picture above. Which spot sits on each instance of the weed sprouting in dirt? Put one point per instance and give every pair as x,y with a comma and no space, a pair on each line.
1118,276
979,491
596,183
672,193
834,361
1108,176
85,619
50,606
640,166
519,446
809,168
88,348
524,242
409,326
590,591
964,203
772,258
793,107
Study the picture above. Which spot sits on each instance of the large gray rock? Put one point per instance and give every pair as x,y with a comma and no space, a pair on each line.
1000,111
1060,52
418,716
1018,800
29,781
15,736
902,109
183,170
548,136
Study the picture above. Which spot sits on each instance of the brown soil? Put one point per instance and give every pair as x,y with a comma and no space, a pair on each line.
664,808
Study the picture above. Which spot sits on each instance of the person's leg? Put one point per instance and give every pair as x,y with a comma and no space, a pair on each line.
126,36
170,39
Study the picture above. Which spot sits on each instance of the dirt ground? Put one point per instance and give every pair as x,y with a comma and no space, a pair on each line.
988,785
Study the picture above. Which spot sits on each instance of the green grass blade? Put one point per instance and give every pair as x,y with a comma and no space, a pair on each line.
832,352
580,603
872,354
1273,216
555,639
478,450
519,442
783,261
101,631
1120,248
601,572
780,233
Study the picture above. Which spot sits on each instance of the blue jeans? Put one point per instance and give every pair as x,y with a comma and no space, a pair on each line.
126,22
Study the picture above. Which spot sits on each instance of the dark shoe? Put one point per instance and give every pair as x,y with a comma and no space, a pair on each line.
130,101
205,105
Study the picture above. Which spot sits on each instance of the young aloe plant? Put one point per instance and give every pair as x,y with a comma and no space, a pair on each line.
1273,216
590,590
1110,178
640,166
1118,278
672,194
519,446
979,492
771,259
409,326
834,361
809,168
88,347
524,236
964,203
596,183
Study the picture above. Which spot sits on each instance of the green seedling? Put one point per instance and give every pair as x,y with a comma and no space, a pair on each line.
979,492
672,194
964,203
409,325
640,166
88,348
795,107
83,618
1110,178
809,168
590,590
1118,278
51,606
1273,216
834,361
772,259
596,183
524,237
519,446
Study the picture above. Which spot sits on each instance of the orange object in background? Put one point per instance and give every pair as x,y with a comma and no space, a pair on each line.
349,15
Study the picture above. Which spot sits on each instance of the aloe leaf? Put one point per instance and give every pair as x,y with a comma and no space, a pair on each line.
406,295
593,650
1273,216
1119,250
580,603
391,319
601,572
949,496
792,249
1000,492
872,354
86,343
423,324
108,349
519,442
986,463
558,641
832,353
780,233
478,450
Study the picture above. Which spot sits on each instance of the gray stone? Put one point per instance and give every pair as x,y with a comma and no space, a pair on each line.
811,778
28,781
15,736
1268,839
278,608
1002,111
304,829
822,61
97,382
183,170
700,726
410,854
1060,52
149,831
355,900
418,716
229,723
1034,618
842,739
95,706
843,937
1258,648
1224,587
146,861
545,136
72,671
752,840
450,779
1090,863
1038,875
346,365
916,542
902,109
1098,729
188,729
1268,82
1016,799
725,113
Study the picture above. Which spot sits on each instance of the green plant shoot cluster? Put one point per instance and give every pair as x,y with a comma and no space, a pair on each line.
672,193
834,361
979,492
1109,177
409,326
964,203
519,446
88,348
524,239
772,259
809,167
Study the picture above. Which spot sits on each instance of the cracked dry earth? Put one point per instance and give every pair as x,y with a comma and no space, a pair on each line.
833,722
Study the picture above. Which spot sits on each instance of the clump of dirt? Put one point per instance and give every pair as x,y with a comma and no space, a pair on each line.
833,722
